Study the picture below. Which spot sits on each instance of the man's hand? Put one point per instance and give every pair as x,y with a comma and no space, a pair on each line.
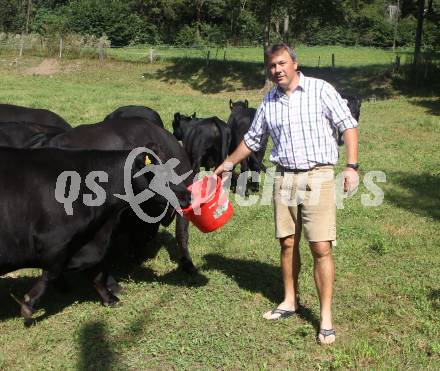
351,179
225,166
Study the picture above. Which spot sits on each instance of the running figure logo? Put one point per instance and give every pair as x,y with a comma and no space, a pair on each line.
164,174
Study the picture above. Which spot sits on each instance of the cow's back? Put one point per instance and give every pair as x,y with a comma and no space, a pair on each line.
124,134
136,112
13,113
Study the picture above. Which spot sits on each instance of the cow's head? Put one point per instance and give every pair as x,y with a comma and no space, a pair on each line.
151,178
180,123
239,104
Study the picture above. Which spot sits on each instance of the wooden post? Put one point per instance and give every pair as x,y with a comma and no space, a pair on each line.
20,53
397,64
61,47
224,56
151,55
101,49
319,60
333,60
207,57
216,53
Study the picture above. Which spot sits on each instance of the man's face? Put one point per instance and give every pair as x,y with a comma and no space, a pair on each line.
282,69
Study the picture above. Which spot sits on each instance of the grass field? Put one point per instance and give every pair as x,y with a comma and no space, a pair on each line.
311,56
387,290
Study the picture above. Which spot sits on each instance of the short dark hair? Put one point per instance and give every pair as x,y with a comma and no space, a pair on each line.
275,48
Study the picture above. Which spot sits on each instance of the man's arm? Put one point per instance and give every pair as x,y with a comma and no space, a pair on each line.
240,153
351,178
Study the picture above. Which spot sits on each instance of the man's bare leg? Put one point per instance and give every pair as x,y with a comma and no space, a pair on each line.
290,267
324,273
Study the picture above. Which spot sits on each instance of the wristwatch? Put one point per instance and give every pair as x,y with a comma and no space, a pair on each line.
354,166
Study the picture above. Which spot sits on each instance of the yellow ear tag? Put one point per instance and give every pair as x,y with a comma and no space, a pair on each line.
147,160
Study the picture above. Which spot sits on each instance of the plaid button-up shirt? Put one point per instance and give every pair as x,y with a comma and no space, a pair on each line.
303,126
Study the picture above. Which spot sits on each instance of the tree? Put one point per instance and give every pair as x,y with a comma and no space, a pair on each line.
418,43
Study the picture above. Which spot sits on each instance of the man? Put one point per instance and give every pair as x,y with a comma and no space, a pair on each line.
303,115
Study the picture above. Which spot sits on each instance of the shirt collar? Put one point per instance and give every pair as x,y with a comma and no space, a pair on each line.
279,93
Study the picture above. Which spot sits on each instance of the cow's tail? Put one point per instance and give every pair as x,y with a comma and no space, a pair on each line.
225,133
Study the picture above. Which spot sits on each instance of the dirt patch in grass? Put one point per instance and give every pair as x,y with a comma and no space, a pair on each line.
399,230
48,66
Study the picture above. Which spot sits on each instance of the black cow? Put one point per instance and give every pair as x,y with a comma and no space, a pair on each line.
26,134
136,111
240,121
128,133
12,113
39,231
206,141
354,105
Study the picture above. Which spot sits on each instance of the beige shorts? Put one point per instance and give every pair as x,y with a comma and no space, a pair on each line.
306,200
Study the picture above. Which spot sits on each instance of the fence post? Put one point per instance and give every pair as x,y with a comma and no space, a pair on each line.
224,56
20,54
397,63
61,47
333,60
207,57
101,49
319,60
151,55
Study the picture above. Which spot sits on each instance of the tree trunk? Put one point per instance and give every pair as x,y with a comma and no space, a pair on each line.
199,6
420,11
266,40
26,30
286,30
430,10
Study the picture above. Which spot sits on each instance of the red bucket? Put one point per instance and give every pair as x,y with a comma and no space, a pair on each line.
210,208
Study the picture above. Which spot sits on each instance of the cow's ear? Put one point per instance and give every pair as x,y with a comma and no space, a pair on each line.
230,104
193,115
157,150
177,116
246,103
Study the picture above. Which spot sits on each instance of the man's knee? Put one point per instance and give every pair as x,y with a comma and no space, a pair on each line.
290,242
321,249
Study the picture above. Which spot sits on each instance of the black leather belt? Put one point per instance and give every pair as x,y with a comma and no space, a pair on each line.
281,169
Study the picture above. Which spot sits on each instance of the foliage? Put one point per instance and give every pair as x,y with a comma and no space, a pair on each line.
98,17
188,36
222,22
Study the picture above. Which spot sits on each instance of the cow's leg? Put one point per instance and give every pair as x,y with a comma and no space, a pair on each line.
99,278
242,188
32,298
255,186
182,240
255,165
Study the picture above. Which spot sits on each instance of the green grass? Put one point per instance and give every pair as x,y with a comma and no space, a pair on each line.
387,291
309,56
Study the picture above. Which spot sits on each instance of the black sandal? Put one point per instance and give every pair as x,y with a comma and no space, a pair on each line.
325,333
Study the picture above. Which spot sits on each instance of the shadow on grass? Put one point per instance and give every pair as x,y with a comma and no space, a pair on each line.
97,344
434,297
367,81
433,106
80,289
257,277
420,194
215,77
96,352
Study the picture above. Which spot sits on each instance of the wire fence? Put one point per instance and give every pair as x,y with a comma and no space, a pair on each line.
86,46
